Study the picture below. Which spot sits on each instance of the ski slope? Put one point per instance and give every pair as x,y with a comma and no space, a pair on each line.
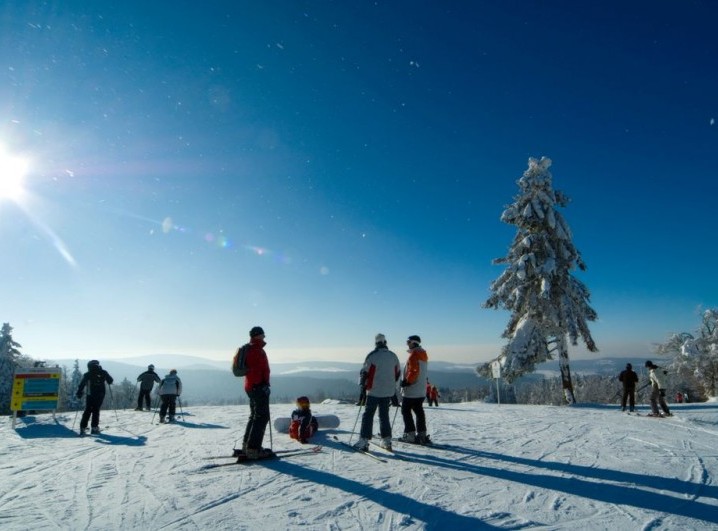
509,467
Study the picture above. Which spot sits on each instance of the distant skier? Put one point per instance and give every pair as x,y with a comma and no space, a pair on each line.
94,379
383,369
658,390
304,425
147,381
434,396
629,379
412,392
170,388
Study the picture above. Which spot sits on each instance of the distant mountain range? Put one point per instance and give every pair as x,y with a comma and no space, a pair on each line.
211,382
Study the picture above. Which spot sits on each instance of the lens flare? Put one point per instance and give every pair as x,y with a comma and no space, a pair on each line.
12,175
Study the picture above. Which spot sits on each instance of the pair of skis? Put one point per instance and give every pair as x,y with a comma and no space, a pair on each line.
241,459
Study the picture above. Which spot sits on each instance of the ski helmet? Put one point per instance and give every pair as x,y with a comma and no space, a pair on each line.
380,339
173,371
414,339
151,367
93,363
629,366
303,401
256,331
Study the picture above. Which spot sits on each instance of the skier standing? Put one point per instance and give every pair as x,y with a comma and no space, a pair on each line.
434,396
412,392
303,424
147,381
256,385
629,379
658,390
170,388
382,369
94,379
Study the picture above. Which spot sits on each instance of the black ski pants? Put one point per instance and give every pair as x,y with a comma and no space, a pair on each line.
629,395
409,408
168,402
93,403
258,417
144,393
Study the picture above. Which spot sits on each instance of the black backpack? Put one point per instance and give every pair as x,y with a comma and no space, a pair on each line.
239,362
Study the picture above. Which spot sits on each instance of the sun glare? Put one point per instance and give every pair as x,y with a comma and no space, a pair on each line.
12,175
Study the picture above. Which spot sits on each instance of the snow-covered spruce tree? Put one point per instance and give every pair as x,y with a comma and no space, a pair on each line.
697,353
547,304
10,359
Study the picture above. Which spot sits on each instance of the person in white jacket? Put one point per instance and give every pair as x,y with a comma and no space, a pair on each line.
170,388
658,390
382,369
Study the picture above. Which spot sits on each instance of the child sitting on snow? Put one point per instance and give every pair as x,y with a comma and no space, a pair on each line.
303,424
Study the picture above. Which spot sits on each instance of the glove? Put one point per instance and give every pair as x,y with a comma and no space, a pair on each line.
79,394
403,383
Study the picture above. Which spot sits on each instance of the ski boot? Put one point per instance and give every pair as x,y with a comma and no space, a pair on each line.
362,445
95,430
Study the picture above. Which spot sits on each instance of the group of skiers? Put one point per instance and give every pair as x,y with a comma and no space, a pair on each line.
94,380
629,379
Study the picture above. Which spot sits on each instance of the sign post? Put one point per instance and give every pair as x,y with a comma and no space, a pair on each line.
36,388
496,372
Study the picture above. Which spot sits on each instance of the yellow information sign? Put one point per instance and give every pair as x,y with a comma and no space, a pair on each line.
36,389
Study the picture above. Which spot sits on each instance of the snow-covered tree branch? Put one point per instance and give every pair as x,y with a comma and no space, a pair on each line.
697,353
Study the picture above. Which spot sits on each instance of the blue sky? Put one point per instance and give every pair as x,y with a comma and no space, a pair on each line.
329,170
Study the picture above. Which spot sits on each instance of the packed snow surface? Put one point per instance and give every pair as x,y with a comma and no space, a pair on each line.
507,467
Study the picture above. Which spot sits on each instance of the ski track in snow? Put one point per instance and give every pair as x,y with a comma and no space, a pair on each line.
508,467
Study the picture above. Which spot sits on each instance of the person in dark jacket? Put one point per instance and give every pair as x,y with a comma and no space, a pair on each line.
147,381
256,385
303,424
170,388
629,379
94,380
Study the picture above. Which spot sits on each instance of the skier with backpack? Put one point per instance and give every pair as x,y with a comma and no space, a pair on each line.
94,380
251,362
303,424
147,381
170,388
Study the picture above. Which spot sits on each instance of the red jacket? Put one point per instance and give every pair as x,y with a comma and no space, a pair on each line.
257,365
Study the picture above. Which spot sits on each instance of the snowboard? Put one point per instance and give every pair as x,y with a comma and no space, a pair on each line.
326,422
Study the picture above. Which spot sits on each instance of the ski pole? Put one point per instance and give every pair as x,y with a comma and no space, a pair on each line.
157,404
77,410
114,405
355,423
394,420
179,401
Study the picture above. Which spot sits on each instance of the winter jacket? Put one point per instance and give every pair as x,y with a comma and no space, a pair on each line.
415,373
655,375
382,372
629,378
257,365
147,380
94,379
171,385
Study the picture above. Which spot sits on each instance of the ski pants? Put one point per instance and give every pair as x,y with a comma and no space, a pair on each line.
658,398
258,417
415,406
367,421
93,403
168,402
144,393
629,395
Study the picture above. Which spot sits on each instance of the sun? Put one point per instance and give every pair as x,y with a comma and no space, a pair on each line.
12,175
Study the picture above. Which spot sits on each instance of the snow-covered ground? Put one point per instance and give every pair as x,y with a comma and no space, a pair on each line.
510,467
